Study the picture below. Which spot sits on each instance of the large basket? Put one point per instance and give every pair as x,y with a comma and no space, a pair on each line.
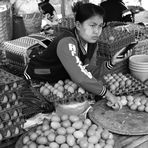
5,22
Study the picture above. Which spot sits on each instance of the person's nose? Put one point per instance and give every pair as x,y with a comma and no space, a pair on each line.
97,30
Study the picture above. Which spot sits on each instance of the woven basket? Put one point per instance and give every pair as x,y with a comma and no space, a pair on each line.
141,47
5,22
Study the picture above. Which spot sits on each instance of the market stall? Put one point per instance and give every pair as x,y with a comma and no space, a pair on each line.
61,115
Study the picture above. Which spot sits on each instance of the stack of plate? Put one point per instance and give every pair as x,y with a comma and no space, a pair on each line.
138,65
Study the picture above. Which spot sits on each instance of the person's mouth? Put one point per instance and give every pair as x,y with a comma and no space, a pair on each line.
95,38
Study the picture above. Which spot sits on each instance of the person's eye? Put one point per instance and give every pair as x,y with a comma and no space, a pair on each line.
92,26
102,25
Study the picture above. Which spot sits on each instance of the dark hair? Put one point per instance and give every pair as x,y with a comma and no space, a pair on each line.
86,11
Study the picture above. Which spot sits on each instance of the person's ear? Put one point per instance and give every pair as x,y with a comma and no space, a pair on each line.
78,25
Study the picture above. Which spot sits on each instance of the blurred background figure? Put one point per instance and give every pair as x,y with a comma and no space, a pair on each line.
48,10
115,10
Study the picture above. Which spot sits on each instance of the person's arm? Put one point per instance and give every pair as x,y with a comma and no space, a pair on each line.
67,52
127,16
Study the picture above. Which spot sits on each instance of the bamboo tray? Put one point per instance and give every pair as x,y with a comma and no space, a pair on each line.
124,121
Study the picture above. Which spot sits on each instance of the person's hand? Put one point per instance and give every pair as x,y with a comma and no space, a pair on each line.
113,101
117,58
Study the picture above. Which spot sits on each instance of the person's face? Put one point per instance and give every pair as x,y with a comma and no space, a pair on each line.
90,29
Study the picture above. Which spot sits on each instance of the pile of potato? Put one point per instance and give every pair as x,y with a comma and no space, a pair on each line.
139,103
60,87
68,131
64,92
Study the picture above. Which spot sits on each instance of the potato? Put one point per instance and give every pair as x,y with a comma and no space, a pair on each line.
26,139
78,134
83,142
70,130
70,140
61,131
108,146
77,124
93,139
41,140
64,117
64,145
76,146
110,141
55,125
91,132
53,145
33,136
91,145
73,118
32,145
47,132
25,146
60,139
105,134
55,118
97,145
41,146
87,122
45,127
66,123
51,137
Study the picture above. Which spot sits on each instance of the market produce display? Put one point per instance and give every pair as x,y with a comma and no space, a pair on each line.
64,92
67,97
67,132
120,84
11,117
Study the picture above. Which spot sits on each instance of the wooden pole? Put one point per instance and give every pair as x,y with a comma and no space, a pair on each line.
63,8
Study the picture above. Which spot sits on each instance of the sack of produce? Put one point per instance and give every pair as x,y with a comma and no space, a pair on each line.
31,17
67,97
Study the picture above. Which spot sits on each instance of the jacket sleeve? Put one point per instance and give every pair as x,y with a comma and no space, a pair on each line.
67,51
